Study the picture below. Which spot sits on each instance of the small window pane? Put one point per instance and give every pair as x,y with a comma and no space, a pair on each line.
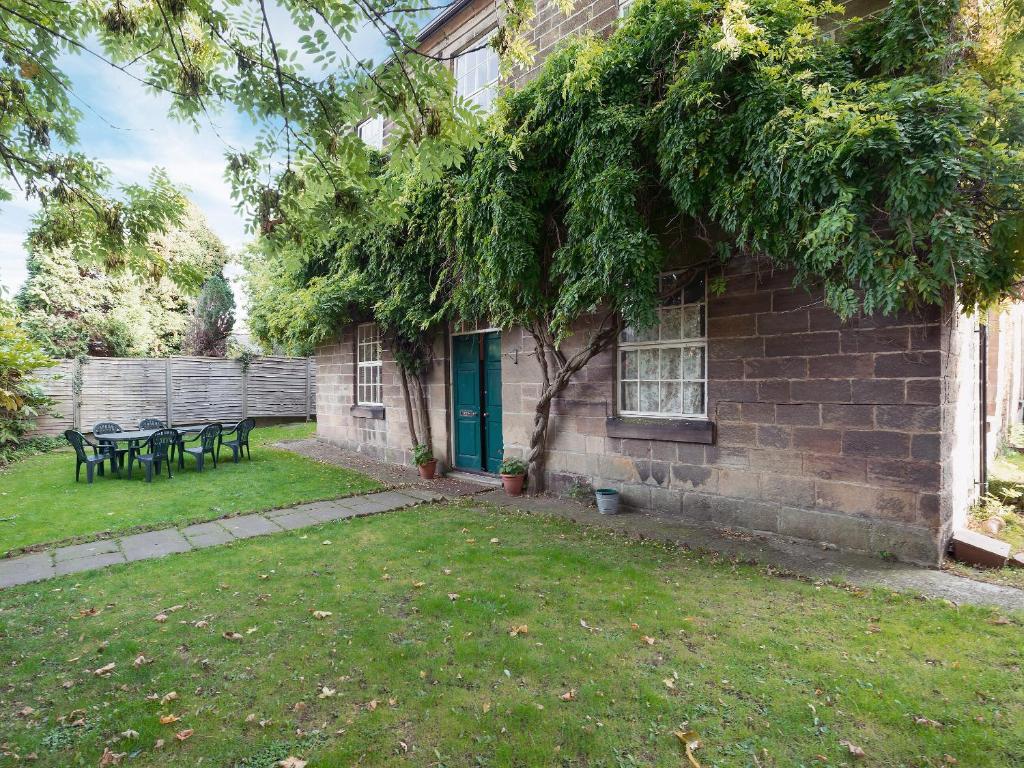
670,397
670,363
670,323
693,322
629,369
693,397
693,363
649,397
630,398
647,334
649,364
694,291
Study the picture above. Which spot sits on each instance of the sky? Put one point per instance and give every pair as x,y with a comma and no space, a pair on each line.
144,137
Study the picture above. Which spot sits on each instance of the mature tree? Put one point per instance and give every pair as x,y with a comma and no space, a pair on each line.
212,319
308,98
74,305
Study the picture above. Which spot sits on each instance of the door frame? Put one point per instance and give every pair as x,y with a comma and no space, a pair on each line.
451,395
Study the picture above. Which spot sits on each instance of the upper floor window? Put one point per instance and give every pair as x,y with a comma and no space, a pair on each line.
371,131
369,387
476,74
662,369
624,6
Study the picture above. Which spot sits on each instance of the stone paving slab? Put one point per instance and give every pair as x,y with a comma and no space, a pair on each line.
90,563
25,569
296,519
85,550
246,526
422,494
143,546
206,535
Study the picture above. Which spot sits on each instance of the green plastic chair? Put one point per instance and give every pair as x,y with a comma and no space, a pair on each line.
207,440
79,442
240,444
151,424
118,454
161,450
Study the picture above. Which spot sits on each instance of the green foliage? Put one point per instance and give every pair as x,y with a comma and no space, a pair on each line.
213,318
512,465
76,306
21,398
422,454
885,167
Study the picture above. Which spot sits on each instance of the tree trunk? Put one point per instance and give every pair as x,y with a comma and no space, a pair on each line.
553,386
422,403
408,406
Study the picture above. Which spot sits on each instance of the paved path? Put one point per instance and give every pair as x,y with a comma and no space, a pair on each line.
787,555
144,546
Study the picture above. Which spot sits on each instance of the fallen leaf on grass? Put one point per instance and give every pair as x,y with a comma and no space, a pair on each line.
160,618
453,596
926,722
184,735
232,636
105,670
201,624
853,748
174,608
569,695
131,733
326,693
495,541
321,614
520,629
588,627
647,640
25,711
111,758
669,683
168,719
291,762
139,661
158,744
169,697
371,705
690,741
1001,621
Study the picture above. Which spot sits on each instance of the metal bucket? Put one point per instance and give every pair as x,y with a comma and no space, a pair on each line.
607,500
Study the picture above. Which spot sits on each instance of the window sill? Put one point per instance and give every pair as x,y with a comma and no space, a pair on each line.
669,430
367,411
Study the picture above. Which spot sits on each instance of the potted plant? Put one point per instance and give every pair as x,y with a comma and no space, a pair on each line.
513,473
424,460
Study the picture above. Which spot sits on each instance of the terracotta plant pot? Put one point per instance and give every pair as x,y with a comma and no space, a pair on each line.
428,469
513,484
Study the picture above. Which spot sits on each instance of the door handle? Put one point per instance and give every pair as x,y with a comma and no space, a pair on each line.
486,414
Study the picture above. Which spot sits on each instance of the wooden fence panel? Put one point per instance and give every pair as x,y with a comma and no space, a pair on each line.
58,383
178,390
205,390
123,390
279,386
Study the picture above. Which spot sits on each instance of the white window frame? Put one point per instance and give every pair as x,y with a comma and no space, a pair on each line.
624,6
476,59
371,132
692,342
369,365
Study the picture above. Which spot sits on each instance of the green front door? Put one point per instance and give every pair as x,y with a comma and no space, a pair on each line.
476,381
493,444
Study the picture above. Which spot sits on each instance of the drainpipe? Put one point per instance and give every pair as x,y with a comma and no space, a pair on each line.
983,408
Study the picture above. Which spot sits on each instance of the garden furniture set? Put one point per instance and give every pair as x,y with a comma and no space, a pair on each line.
154,445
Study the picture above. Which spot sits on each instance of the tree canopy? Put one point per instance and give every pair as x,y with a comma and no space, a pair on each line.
73,305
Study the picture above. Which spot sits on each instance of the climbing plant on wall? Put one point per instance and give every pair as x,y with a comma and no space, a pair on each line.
885,166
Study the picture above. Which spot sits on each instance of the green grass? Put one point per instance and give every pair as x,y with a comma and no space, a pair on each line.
770,671
42,503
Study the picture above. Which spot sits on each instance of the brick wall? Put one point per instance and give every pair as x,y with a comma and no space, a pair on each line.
826,430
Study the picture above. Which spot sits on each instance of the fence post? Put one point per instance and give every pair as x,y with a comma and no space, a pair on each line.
245,387
170,391
76,394
308,388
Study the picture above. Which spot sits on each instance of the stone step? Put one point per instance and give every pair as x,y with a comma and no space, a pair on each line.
976,548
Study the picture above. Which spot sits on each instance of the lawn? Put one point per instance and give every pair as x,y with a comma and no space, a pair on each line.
40,502
464,636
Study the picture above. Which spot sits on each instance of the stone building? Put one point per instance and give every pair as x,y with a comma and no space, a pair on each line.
758,409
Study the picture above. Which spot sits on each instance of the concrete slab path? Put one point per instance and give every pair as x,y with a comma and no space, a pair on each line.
144,546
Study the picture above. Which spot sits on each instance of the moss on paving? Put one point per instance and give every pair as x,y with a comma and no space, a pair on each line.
421,669
42,503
